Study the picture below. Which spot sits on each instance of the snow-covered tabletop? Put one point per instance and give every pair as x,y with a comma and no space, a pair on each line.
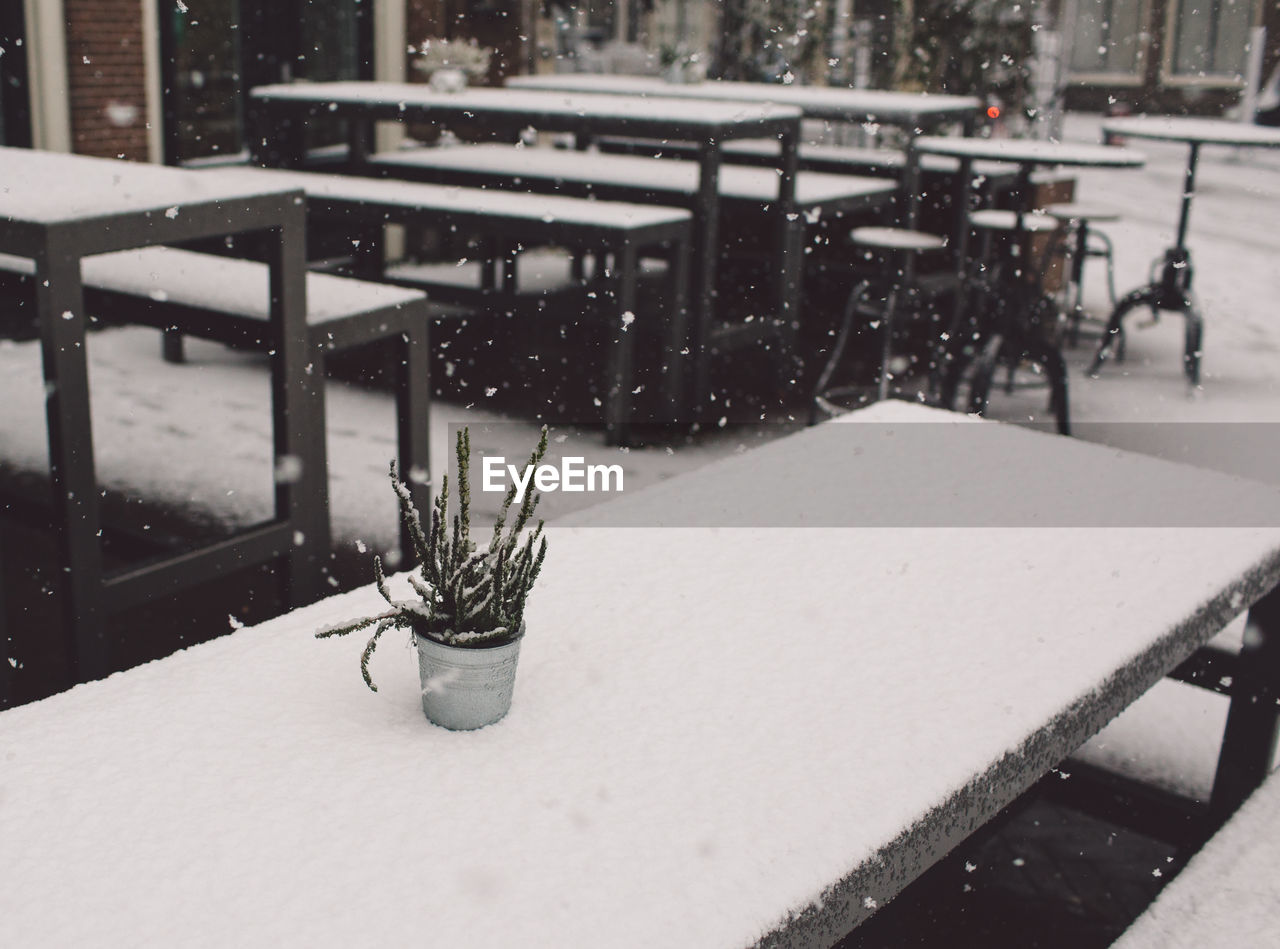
49,188
575,109
1174,128
663,175
846,105
718,734
1032,151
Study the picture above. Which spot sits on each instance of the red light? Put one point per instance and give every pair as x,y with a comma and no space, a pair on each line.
993,112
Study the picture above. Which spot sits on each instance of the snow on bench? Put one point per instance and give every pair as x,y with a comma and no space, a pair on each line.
227,299
226,285
814,156
1229,894
663,176
512,208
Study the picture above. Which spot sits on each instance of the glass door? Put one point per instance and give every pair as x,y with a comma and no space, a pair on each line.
15,104
215,51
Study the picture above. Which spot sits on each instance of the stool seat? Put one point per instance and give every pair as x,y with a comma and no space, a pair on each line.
1087,213
896,238
993,219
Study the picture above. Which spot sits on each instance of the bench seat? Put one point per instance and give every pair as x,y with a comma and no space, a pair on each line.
612,176
1228,895
513,222
227,300
813,156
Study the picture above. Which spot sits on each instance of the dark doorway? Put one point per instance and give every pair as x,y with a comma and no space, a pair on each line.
15,101
214,51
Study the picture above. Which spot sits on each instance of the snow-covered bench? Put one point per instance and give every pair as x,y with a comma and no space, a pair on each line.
515,222
227,300
619,177
1229,894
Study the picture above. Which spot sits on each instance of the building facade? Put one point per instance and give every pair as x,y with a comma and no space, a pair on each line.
166,80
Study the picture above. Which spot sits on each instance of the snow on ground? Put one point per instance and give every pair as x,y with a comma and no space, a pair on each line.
1227,895
198,435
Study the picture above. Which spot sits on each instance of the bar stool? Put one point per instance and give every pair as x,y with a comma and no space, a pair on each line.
897,247
1079,241
1010,319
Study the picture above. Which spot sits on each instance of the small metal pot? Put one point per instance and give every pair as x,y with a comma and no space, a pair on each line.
466,687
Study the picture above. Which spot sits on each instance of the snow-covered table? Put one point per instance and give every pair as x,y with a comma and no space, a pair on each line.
911,110
1172,291
57,209
1020,328
721,736
282,112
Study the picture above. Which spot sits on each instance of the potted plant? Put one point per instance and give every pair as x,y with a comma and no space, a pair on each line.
467,621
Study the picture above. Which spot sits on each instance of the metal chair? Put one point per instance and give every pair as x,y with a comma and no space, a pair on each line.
1079,241
1007,320
897,248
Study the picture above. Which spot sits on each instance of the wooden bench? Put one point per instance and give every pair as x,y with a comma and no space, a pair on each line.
1228,895
612,230
226,299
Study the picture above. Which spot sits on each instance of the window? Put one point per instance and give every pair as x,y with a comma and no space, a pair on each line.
1208,38
15,109
1109,37
214,51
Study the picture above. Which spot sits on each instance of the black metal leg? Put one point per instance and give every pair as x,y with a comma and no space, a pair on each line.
1148,296
6,670
1048,356
677,341
1194,340
621,349
837,351
60,305
1253,722
413,422
297,416
172,349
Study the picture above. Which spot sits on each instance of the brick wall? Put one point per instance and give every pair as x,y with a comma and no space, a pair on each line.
106,75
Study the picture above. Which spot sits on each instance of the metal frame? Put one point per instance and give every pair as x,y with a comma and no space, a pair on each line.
299,533
279,117
624,241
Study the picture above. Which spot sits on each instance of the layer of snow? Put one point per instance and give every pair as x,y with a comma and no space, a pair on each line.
1228,895
666,749
1032,151
660,174
1185,129
575,107
454,200
47,187
852,105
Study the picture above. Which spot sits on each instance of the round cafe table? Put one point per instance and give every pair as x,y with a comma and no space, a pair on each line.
1172,291
1013,332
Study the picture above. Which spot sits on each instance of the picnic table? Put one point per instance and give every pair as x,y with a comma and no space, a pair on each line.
281,112
58,209
1172,290
730,735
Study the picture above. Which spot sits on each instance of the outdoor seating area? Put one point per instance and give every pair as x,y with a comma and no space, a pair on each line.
872,516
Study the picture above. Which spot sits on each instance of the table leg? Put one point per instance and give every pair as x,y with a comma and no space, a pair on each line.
1253,722
622,346
706,249
1172,292
301,494
790,259
676,346
60,307
413,425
